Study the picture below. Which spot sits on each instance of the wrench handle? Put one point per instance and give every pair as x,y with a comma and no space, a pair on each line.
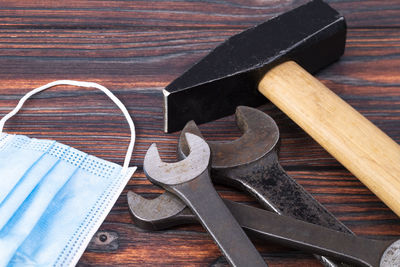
200,195
360,146
310,237
278,192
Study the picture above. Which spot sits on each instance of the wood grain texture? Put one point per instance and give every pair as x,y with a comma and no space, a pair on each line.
120,14
338,128
135,48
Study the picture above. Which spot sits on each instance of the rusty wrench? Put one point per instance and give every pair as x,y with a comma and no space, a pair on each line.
251,163
189,179
269,226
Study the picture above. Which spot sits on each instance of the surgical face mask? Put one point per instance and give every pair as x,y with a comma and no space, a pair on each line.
53,198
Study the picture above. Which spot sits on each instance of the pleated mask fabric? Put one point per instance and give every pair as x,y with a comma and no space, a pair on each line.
53,197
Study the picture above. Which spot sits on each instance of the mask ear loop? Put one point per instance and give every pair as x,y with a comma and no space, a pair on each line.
81,84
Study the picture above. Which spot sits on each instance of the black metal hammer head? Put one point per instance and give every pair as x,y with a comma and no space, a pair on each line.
313,35
260,137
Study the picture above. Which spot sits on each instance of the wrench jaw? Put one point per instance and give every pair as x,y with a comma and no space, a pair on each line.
233,163
260,137
182,149
189,179
166,210
162,212
168,174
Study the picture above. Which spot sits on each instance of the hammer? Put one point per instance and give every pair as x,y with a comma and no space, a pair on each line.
274,59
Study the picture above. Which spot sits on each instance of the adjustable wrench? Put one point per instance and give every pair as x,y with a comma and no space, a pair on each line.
189,180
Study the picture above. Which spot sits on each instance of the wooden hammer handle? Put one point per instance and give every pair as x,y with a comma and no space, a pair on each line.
366,151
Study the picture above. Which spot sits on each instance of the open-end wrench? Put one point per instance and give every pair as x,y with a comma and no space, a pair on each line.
278,228
250,163
189,179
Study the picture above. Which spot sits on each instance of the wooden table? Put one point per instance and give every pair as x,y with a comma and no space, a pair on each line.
135,48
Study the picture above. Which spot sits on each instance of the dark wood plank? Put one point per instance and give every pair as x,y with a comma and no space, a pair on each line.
131,60
179,14
136,64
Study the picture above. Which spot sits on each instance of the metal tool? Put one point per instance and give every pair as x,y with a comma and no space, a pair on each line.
268,60
313,35
250,163
189,180
277,228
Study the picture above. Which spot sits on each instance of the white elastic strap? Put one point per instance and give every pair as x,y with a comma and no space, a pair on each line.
82,84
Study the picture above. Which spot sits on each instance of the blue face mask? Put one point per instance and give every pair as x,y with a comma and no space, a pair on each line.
53,198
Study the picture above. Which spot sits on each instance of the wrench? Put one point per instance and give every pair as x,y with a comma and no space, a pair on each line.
278,228
189,179
250,163
256,170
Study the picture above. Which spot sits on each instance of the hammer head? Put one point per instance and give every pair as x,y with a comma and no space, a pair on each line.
313,35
